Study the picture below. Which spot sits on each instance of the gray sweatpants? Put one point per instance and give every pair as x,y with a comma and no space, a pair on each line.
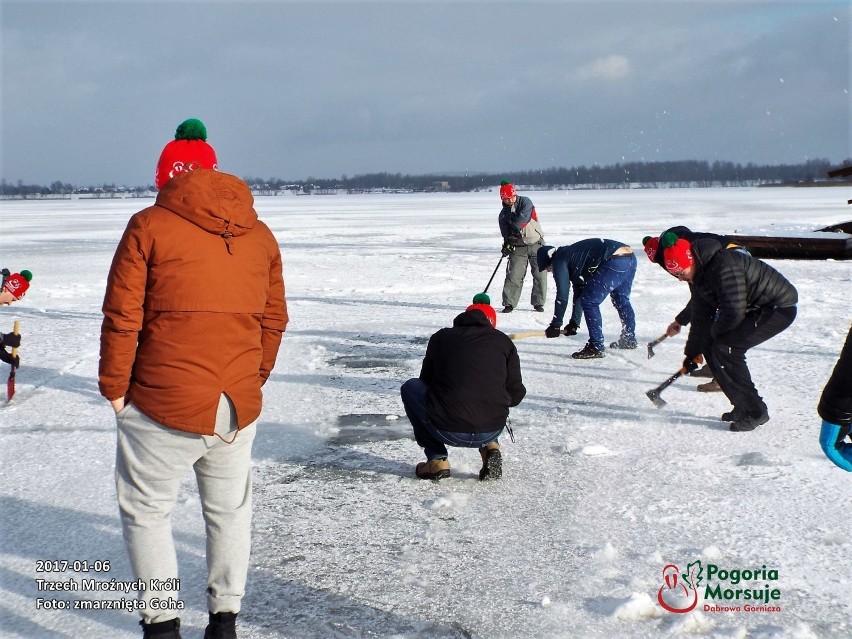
516,271
150,463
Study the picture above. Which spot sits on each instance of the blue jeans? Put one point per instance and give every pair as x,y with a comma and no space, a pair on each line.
614,278
434,440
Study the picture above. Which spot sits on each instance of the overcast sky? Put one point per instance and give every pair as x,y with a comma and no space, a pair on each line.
91,92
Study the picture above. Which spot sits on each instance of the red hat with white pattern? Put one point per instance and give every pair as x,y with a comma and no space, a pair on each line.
189,150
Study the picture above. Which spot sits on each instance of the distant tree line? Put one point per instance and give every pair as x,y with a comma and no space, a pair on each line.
623,175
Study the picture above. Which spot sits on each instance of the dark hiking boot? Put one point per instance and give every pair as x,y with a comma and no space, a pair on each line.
223,625
734,415
751,422
624,343
433,469
539,308
710,387
507,309
161,630
492,462
704,371
589,352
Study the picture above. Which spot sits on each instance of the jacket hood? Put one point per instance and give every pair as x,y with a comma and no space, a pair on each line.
472,318
704,249
219,203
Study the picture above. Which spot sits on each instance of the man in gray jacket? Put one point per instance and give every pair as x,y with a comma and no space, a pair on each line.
522,237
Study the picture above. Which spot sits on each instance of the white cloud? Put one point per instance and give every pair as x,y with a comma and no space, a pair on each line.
611,67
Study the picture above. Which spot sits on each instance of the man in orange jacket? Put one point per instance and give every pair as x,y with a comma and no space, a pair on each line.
193,316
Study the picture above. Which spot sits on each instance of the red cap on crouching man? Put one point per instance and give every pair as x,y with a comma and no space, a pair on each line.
482,302
487,310
189,150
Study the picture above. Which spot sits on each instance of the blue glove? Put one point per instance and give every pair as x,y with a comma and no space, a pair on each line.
831,439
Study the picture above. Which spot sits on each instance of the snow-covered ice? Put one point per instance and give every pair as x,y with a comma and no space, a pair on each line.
601,490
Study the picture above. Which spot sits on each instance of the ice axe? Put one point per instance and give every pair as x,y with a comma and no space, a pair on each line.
485,290
654,393
651,345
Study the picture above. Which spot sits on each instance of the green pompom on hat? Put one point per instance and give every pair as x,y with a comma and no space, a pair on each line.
481,298
504,182
669,239
645,240
27,275
191,129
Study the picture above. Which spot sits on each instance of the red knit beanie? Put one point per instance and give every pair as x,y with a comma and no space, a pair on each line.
189,150
507,190
652,245
678,257
17,284
488,310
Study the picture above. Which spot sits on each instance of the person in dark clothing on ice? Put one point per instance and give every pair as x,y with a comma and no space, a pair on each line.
596,268
470,376
835,408
654,248
738,302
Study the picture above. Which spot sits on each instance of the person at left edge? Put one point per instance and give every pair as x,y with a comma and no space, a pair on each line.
596,267
14,286
835,408
522,237
194,313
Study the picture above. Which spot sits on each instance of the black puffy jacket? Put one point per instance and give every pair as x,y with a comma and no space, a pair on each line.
727,285
473,374
835,405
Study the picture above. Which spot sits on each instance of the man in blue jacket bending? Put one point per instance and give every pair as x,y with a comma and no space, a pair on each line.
596,267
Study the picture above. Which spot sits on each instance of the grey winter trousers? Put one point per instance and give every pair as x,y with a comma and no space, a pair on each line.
516,271
150,462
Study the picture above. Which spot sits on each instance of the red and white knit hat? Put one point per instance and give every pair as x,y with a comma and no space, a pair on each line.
18,283
678,257
189,150
507,190
487,310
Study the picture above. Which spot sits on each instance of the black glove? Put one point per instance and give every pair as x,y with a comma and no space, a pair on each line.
570,328
10,339
689,365
552,331
7,357
507,249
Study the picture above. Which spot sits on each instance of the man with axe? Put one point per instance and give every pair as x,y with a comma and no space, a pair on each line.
738,302
654,247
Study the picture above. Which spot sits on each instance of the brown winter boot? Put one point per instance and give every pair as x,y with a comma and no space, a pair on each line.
710,387
433,469
492,462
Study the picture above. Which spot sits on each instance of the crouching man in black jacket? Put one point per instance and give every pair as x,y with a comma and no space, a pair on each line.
470,376
738,302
